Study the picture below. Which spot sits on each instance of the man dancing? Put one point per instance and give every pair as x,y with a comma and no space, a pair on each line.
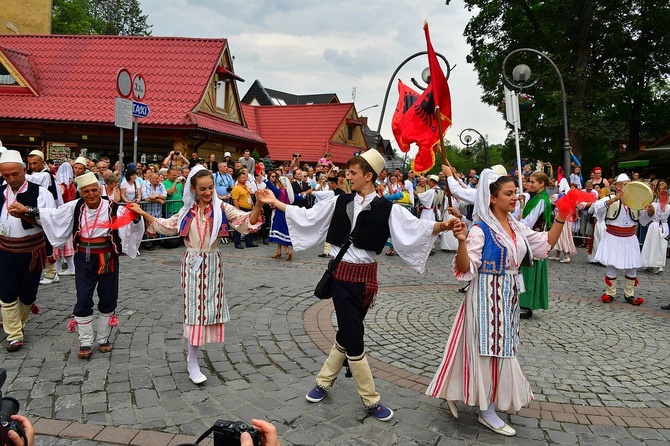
96,259
368,220
619,247
22,250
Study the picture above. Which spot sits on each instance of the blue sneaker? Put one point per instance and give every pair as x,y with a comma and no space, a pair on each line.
381,412
316,394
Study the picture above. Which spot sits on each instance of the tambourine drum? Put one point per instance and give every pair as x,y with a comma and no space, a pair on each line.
637,195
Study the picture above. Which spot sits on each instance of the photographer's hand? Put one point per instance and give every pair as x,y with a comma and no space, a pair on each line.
28,429
268,434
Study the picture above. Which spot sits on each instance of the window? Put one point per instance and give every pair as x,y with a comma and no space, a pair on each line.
5,77
220,88
350,132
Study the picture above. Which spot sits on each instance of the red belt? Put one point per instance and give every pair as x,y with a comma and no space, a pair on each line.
620,231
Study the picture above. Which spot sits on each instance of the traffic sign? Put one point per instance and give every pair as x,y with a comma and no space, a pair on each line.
140,110
139,87
123,113
123,82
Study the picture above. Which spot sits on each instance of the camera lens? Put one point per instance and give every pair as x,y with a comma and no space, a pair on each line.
9,407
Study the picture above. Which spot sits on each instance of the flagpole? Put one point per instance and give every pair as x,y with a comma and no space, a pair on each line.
443,151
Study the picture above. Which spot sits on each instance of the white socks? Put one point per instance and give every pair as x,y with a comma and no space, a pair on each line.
193,368
492,417
70,264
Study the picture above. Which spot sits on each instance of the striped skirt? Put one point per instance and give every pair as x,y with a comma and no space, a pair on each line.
205,306
468,376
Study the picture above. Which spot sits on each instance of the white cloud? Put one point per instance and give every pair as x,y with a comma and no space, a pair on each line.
308,47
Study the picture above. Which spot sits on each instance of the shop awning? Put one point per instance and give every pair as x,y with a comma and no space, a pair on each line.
633,163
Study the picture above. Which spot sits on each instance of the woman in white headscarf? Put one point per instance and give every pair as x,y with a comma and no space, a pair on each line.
67,191
202,221
480,367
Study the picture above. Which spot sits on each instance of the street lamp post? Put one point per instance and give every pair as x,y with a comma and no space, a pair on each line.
521,74
468,141
367,108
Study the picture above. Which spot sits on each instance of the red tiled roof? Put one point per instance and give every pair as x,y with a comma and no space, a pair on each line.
22,62
209,122
304,129
76,77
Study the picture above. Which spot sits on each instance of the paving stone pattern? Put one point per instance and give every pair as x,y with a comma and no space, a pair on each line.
599,372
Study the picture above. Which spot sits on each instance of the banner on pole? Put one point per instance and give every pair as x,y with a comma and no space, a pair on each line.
512,107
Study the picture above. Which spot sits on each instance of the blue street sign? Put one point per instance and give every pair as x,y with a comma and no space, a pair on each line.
140,110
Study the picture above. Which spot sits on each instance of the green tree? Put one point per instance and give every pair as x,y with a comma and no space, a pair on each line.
614,57
108,17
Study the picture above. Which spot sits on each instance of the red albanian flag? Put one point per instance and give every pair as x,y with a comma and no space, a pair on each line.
419,124
406,98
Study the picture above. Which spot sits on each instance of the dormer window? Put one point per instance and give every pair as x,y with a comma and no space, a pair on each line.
5,77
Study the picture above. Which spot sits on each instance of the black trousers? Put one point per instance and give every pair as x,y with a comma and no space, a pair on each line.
348,301
16,279
87,279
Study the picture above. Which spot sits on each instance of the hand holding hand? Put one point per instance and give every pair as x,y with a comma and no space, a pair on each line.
265,196
460,230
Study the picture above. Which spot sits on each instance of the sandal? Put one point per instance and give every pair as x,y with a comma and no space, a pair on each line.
634,300
289,256
276,255
390,252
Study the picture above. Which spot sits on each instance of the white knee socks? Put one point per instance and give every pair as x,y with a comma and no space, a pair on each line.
193,368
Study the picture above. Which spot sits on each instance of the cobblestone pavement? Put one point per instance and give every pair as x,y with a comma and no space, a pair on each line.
599,372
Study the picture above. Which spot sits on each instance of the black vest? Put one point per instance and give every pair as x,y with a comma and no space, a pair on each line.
372,225
113,235
27,198
52,186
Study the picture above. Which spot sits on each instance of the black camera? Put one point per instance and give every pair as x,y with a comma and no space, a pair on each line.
296,155
9,407
229,188
178,153
227,433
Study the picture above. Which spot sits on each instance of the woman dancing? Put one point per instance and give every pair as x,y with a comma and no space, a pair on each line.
202,221
480,367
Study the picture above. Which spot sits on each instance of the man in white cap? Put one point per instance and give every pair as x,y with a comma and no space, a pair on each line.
367,220
432,201
619,247
79,166
39,174
96,259
22,250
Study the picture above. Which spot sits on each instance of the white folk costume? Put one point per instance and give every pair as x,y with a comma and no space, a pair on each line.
619,247
480,365
432,201
655,244
202,278
47,181
369,221
22,254
96,260
598,230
